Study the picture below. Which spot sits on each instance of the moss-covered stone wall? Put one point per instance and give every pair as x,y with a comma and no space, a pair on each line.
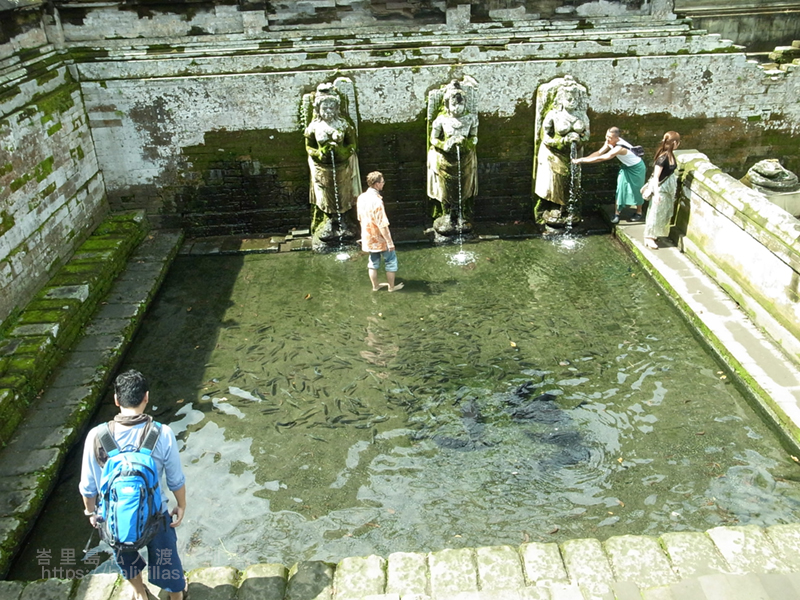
51,191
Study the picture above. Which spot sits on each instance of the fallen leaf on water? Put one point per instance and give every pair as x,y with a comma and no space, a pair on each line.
308,297
371,524
795,459
619,460
457,535
188,309
700,433
526,537
179,401
513,345
621,503
553,530
391,511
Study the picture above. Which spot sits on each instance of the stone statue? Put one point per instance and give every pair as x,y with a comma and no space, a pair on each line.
452,160
770,177
329,119
562,127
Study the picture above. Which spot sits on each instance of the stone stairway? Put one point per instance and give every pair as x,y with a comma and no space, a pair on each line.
724,563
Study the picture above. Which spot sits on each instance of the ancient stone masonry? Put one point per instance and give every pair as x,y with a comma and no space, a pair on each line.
51,191
187,110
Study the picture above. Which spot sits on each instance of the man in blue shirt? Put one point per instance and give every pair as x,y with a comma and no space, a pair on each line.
131,395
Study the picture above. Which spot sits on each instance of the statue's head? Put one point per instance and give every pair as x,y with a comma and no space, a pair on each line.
571,96
771,169
327,102
455,100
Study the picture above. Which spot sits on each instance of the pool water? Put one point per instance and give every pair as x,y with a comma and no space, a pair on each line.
542,392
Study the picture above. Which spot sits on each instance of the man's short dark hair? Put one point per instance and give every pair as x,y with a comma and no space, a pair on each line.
373,178
130,388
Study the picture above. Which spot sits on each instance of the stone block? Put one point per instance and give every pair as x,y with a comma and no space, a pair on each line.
542,562
356,577
747,549
97,587
19,503
639,558
48,589
213,583
310,580
693,554
23,462
786,539
263,582
587,565
499,568
569,591
11,590
452,571
732,587
407,573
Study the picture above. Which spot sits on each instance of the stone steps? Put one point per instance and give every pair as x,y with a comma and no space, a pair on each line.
30,463
724,563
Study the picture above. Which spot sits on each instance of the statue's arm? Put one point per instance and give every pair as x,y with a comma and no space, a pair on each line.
437,133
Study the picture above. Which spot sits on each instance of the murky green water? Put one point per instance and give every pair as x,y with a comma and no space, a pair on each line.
320,420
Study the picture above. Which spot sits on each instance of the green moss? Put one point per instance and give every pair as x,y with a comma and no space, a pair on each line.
43,169
6,169
53,129
165,49
58,101
9,93
46,76
47,191
19,182
6,221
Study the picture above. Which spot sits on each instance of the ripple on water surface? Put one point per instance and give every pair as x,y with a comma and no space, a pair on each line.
533,393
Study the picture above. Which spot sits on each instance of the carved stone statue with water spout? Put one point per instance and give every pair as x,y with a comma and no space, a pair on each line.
330,118
562,127
452,159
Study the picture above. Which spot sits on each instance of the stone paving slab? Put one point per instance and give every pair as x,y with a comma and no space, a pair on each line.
543,563
263,582
407,574
451,572
499,569
639,559
357,577
693,554
747,549
587,565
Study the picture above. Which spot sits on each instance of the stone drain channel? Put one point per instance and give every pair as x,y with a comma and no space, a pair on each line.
724,563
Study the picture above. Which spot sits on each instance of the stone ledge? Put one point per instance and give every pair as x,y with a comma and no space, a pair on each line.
34,341
52,424
757,564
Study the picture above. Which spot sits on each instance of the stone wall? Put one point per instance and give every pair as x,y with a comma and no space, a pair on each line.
206,134
750,246
758,25
51,190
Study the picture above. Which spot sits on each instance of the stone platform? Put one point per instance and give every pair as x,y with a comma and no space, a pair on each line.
725,563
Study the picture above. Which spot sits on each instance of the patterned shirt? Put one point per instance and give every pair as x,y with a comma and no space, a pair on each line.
375,235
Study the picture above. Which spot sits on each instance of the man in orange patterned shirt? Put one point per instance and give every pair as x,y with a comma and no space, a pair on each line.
375,236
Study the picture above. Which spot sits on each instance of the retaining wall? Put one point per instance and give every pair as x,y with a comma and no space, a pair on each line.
749,245
51,190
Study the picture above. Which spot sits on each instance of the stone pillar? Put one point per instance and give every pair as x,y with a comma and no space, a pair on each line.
458,16
662,9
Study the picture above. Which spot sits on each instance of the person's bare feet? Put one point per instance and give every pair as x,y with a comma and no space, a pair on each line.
381,285
397,286
651,243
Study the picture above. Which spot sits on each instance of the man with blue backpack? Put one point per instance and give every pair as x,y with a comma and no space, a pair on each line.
124,463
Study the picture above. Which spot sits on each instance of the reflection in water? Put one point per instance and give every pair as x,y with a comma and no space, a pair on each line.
532,395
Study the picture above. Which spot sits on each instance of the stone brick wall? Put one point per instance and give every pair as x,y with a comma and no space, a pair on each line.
51,190
207,135
748,245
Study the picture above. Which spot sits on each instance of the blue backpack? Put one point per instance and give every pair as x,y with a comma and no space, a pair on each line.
130,501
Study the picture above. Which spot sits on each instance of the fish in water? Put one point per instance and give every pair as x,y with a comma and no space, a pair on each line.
472,422
568,449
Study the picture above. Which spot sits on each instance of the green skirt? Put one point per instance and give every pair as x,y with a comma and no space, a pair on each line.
629,185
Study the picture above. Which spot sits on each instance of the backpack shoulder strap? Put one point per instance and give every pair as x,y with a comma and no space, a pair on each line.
107,441
150,437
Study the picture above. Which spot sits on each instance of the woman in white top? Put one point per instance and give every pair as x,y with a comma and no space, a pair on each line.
631,174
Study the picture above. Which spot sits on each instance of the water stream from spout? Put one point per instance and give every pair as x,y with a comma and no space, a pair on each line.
341,255
461,257
568,240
